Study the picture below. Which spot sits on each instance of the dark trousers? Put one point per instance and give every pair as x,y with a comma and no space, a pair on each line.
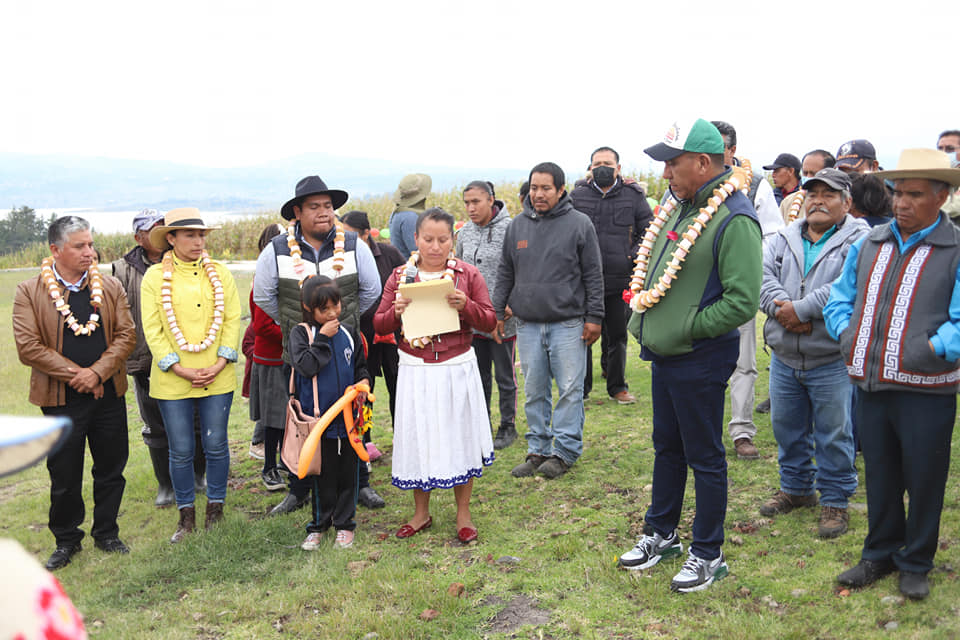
906,447
102,423
153,432
688,395
613,346
335,489
501,358
385,359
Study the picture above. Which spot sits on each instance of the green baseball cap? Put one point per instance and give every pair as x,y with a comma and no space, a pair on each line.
701,137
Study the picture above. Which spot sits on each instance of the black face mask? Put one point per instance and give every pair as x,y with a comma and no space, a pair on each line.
604,176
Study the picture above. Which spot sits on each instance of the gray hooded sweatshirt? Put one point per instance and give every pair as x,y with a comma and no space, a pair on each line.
783,279
551,268
483,247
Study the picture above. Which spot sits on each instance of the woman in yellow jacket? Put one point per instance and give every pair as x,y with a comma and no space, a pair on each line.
191,320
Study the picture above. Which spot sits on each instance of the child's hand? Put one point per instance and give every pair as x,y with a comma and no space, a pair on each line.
330,328
361,398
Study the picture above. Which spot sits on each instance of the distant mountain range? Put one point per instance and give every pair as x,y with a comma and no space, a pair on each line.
110,184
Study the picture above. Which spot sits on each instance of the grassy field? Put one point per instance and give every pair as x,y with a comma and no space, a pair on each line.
544,567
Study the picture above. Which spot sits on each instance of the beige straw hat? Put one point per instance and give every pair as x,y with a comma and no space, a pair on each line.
928,164
175,219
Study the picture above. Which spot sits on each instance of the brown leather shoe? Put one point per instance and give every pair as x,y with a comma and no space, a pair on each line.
624,397
188,522
745,449
783,502
833,522
214,514
529,466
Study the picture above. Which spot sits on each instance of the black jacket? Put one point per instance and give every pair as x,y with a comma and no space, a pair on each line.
620,216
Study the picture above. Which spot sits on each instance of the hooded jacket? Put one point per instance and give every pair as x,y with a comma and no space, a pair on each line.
551,268
783,279
483,248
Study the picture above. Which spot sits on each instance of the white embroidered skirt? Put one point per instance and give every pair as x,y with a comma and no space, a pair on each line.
441,433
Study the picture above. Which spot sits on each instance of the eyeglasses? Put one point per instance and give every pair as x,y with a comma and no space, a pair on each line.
948,148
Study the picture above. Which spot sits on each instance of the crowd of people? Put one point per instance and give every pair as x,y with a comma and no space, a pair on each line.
856,269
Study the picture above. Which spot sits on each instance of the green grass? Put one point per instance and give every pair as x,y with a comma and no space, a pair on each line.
249,579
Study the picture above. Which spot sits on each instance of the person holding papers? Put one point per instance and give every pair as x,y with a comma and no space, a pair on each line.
441,429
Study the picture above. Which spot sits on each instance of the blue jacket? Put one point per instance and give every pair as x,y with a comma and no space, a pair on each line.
337,363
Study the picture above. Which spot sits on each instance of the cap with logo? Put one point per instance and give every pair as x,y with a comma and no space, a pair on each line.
851,154
700,137
146,219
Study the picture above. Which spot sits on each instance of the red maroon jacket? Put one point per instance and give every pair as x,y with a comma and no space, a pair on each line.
268,340
477,314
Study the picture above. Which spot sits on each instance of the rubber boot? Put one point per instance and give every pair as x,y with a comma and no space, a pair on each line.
199,468
188,522
161,469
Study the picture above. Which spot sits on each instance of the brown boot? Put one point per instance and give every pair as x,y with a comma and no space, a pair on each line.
214,514
783,502
745,449
188,521
833,522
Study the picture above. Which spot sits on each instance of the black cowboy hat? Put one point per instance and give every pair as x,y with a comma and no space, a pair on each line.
313,186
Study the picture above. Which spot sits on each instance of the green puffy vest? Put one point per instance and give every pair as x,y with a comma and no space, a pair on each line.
288,289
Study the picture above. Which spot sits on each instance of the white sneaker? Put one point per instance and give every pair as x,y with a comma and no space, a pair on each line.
256,451
344,539
698,574
312,542
649,550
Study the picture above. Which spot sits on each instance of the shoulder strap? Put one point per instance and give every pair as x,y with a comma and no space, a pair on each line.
311,332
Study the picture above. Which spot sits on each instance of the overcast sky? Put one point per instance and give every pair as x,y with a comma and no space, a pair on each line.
494,84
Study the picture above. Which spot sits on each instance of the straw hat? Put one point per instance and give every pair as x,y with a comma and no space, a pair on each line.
174,220
928,164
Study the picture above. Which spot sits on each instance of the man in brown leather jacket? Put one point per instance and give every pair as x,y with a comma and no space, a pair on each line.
77,349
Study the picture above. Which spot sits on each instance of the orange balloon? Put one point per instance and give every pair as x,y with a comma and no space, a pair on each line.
343,404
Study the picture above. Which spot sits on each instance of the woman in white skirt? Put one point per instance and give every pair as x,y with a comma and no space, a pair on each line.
442,432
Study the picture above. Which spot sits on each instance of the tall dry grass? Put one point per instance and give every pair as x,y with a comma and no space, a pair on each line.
237,239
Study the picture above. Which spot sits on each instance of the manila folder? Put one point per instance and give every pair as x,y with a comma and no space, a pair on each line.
428,313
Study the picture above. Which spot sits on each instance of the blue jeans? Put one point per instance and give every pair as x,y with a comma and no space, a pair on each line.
553,351
214,412
810,413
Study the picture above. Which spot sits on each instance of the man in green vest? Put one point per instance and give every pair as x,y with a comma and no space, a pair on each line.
688,330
